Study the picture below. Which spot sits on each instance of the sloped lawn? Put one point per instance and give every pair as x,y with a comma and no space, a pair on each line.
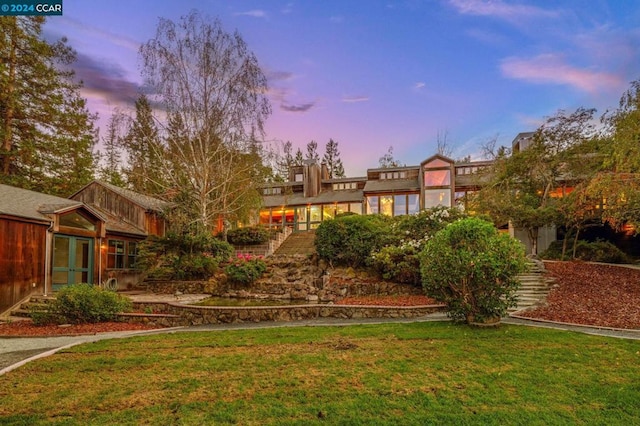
415,374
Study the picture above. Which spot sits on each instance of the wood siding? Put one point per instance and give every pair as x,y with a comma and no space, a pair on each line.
22,259
116,204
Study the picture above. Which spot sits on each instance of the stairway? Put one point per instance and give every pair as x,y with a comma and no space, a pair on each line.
534,287
298,243
23,311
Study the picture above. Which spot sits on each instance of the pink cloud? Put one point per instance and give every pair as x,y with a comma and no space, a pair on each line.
552,69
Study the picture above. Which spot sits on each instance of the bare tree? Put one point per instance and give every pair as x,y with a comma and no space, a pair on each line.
214,93
444,147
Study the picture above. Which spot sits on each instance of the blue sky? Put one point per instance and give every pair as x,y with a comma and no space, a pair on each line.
373,74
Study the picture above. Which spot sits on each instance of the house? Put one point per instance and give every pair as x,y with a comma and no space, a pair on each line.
47,242
309,197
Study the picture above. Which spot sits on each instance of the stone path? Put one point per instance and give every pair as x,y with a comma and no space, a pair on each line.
534,288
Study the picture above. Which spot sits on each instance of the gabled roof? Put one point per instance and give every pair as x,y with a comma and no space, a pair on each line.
144,201
392,185
437,157
33,205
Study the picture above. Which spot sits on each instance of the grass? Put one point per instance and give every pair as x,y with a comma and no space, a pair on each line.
421,373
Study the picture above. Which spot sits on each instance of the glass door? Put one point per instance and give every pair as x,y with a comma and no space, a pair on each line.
72,261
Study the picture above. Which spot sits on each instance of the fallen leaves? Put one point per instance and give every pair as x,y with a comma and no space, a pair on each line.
592,294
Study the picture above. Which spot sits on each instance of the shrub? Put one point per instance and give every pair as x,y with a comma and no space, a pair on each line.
248,236
349,240
472,268
183,256
194,267
598,251
398,263
245,269
399,260
83,303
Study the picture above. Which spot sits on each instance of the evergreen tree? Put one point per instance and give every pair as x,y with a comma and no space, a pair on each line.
299,159
387,160
46,132
111,169
332,160
286,161
144,151
312,151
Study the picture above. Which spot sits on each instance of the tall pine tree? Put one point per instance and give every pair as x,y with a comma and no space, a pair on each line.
312,151
145,151
46,132
111,168
332,160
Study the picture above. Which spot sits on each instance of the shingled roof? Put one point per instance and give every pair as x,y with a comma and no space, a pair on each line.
32,205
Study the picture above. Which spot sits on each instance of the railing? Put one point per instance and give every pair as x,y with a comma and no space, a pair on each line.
264,249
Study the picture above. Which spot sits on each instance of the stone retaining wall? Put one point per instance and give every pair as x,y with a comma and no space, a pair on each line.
176,314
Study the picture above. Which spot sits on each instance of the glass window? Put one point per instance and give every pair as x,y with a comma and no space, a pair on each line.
413,203
298,177
437,197
355,208
76,220
115,254
276,217
399,205
372,205
288,215
386,205
328,211
265,216
437,177
342,208
315,214
132,254
436,163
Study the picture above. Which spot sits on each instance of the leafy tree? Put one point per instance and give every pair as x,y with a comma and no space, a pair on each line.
523,188
332,160
312,151
617,185
46,132
216,111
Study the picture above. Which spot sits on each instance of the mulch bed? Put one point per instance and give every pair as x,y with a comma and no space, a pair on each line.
587,294
28,329
592,294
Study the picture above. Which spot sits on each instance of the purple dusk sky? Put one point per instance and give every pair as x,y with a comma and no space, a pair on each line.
372,74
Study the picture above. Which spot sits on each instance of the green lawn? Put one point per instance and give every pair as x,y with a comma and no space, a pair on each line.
421,373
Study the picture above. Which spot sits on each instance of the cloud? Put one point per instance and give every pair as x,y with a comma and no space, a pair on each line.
552,69
336,19
279,75
501,10
91,31
255,13
106,80
297,108
419,85
354,99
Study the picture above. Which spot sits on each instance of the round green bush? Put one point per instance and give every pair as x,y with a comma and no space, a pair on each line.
349,240
472,268
245,270
85,303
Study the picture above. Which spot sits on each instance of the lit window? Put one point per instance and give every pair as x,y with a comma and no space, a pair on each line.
386,205
437,197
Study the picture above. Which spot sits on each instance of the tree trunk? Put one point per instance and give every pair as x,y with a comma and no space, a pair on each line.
575,242
9,111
